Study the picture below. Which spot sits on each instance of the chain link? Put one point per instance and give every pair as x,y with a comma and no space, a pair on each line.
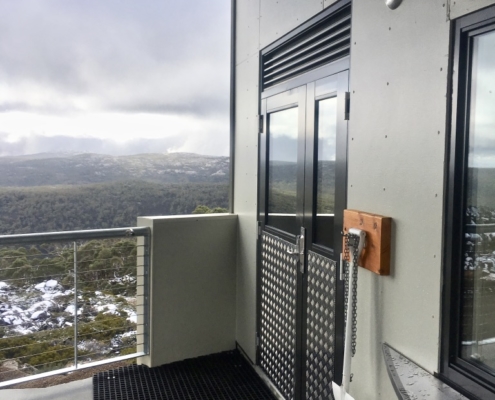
346,266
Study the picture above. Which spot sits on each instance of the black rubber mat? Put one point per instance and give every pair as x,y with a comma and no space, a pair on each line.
218,376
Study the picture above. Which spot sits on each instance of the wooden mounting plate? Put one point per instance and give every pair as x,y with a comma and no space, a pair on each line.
376,255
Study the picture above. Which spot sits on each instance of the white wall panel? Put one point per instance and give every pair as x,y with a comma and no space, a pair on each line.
328,3
248,29
459,8
398,78
245,199
281,16
192,286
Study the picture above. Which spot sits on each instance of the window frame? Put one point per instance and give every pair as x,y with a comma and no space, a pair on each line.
470,380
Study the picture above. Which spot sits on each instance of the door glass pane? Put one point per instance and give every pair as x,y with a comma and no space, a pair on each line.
325,170
282,169
478,311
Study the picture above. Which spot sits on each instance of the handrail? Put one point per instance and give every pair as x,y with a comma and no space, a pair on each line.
480,228
78,238
44,237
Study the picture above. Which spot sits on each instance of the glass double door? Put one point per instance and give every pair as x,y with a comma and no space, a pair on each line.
302,195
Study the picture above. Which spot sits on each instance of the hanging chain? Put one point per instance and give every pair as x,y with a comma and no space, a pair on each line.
345,266
354,296
354,244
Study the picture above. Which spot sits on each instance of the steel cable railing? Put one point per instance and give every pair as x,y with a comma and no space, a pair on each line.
72,300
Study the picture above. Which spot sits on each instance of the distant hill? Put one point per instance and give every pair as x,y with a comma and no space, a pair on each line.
105,205
60,192
482,187
77,169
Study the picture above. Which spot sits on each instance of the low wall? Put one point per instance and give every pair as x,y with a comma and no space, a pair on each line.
192,286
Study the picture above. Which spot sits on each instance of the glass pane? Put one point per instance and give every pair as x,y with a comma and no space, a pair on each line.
282,169
325,177
478,311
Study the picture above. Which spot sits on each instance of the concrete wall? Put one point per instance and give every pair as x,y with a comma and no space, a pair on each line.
259,22
192,286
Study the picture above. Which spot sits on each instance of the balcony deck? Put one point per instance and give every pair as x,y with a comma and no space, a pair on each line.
79,390
225,375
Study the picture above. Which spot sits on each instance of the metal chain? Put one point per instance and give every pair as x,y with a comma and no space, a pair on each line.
345,266
354,296
347,259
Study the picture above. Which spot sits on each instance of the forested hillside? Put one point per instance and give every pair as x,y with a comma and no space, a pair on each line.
63,192
60,192
77,169
482,188
109,205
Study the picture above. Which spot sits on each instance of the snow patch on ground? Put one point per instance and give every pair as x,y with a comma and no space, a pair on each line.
49,286
47,305
107,309
71,310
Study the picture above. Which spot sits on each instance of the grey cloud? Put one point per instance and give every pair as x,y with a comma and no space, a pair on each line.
283,148
146,56
197,106
26,107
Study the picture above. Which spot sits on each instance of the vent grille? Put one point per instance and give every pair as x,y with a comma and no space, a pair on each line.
321,43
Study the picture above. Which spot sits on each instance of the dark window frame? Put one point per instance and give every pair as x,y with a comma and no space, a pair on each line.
469,379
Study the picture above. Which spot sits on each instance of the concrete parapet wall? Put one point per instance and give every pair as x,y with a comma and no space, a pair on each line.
192,286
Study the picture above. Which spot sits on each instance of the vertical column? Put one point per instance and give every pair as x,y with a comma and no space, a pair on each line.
75,304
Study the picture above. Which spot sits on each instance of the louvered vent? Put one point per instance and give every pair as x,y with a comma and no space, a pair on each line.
321,43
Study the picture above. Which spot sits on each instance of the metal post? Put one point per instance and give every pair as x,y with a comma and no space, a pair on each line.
75,304
146,287
477,351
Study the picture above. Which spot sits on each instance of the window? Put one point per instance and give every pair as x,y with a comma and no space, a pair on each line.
469,304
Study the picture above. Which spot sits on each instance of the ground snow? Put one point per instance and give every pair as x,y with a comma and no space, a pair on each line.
30,309
71,310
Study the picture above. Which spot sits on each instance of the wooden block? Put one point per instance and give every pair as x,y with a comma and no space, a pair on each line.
376,255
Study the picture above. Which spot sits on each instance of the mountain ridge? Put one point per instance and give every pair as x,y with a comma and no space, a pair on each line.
48,169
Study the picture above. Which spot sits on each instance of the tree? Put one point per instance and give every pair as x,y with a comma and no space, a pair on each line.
206,210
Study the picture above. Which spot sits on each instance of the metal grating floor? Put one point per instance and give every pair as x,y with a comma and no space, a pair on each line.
218,376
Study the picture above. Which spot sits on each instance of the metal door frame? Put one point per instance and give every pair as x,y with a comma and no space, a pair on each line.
304,85
342,87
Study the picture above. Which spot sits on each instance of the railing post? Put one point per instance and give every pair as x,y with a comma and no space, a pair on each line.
478,317
75,305
146,287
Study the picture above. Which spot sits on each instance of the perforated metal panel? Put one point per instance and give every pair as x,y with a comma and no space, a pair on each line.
278,313
320,342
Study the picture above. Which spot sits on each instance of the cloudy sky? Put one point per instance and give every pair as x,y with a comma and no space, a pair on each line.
283,128
482,138
116,77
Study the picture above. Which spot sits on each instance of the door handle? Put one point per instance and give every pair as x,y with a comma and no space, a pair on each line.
300,249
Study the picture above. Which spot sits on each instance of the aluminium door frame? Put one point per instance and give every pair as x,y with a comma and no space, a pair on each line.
293,97
306,80
309,220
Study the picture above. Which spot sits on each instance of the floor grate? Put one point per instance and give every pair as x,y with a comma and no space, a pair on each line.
218,376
